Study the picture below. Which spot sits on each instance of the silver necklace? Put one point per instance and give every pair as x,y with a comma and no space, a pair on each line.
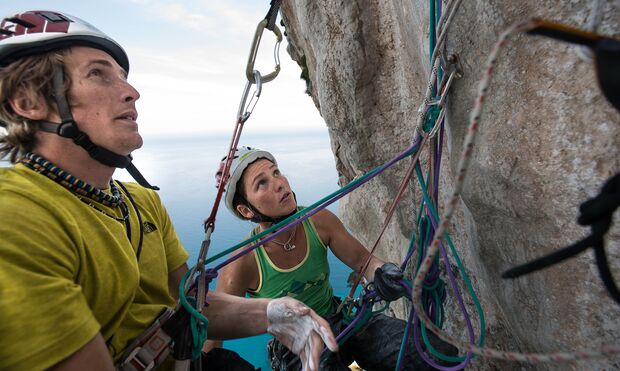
287,246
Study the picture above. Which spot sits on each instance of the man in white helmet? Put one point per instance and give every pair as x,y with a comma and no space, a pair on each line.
89,263
295,264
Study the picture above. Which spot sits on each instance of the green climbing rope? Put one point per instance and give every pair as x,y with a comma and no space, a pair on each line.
461,268
198,322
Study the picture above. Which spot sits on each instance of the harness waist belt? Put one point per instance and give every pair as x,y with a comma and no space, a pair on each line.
150,349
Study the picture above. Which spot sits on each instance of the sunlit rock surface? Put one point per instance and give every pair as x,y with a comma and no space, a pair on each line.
547,142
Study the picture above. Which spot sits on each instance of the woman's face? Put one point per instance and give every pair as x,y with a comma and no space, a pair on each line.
267,190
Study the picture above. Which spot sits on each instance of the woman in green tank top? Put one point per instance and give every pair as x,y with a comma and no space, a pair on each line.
295,264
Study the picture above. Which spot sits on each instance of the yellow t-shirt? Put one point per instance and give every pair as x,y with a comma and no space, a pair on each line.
68,271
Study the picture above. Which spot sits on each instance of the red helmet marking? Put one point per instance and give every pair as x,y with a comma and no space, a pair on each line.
33,22
57,27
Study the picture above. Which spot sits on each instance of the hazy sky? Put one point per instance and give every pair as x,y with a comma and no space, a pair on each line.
188,61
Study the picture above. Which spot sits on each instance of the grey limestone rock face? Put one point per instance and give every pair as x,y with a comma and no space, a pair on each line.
548,140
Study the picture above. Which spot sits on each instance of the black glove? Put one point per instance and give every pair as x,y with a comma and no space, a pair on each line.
387,283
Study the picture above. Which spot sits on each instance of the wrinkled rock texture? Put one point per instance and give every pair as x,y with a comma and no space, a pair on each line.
547,142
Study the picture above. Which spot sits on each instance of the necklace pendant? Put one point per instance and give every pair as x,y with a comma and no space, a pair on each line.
288,247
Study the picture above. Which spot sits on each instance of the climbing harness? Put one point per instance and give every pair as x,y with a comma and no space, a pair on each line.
150,348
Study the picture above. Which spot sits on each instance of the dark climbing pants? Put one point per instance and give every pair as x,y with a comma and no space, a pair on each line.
219,359
375,347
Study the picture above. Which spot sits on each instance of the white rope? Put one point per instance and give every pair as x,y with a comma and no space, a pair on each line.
447,17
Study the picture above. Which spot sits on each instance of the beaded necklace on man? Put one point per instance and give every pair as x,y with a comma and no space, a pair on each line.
88,193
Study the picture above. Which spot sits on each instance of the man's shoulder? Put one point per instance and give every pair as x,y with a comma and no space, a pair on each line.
9,174
22,184
29,197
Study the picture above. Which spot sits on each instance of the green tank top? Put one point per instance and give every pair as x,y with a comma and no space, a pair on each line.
307,282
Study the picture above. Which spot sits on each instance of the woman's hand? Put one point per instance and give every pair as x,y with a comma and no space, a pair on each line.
300,329
387,282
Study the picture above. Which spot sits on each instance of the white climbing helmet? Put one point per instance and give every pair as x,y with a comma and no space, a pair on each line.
244,156
40,31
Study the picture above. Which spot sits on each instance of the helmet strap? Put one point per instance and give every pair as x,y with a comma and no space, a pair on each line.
68,129
262,218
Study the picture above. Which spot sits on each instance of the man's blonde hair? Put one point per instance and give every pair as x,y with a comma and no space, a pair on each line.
32,76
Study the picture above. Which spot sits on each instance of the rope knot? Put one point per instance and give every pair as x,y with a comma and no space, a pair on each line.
430,118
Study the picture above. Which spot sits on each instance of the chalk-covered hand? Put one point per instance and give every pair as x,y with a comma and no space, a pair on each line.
300,329
387,282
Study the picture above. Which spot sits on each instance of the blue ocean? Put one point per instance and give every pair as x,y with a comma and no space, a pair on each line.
184,169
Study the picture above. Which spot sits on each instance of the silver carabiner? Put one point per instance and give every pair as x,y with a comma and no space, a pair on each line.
200,268
245,110
249,70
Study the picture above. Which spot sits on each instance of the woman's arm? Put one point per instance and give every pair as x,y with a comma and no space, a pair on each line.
239,276
386,277
291,322
232,317
346,247
288,320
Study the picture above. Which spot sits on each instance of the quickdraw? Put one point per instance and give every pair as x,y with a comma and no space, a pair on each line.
185,327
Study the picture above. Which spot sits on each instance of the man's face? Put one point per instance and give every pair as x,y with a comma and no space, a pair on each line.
267,189
102,101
